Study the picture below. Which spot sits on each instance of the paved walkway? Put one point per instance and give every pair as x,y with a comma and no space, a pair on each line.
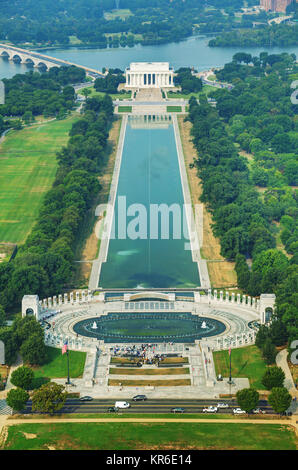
281,361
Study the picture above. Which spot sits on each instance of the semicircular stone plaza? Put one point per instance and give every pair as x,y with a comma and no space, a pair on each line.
235,317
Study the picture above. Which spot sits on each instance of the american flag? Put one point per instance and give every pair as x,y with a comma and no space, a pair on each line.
64,349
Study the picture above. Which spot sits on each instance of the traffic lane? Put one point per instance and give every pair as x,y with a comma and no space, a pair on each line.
157,401
143,407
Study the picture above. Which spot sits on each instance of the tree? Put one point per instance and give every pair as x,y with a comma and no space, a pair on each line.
33,350
273,377
17,399
86,92
49,398
262,335
278,333
279,399
2,316
22,377
247,399
269,351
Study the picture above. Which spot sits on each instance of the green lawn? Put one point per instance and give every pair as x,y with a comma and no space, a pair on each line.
174,109
56,366
124,109
246,362
186,96
157,436
114,96
27,171
114,14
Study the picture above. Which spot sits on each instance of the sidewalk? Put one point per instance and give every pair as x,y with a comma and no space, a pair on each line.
281,361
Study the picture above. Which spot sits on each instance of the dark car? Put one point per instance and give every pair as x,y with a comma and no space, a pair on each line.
86,398
140,398
112,409
178,410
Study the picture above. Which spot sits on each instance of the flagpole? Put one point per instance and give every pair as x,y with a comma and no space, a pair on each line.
68,381
230,377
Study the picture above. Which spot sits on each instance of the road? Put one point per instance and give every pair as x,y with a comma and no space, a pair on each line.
74,405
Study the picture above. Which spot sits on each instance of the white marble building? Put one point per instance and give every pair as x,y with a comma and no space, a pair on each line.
149,75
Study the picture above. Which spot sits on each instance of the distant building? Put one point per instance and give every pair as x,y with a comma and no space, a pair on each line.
149,75
278,6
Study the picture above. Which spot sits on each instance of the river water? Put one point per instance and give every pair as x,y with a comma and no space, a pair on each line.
192,52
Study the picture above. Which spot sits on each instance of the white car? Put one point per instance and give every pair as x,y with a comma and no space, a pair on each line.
223,405
122,404
238,411
258,411
210,409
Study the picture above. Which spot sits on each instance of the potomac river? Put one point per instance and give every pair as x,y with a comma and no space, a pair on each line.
194,51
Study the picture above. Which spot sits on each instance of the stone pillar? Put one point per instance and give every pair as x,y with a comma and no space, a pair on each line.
233,297
31,306
77,297
50,301
65,298
71,297
215,294
55,301
221,295
83,296
44,303
249,301
209,295
238,298
60,299
89,295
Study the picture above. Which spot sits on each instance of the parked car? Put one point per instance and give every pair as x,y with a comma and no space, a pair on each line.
177,410
238,411
210,409
112,409
223,405
122,404
259,411
86,398
140,398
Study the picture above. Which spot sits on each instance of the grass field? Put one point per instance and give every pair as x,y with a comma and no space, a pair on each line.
186,96
174,109
27,170
114,14
56,366
124,109
246,362
152,382
157,371
157,436
115,96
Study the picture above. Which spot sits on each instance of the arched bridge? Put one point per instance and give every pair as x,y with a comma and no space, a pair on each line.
39,60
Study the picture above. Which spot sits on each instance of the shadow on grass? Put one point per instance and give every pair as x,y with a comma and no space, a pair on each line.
37,382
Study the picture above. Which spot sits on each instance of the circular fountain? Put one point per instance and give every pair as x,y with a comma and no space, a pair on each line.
149,327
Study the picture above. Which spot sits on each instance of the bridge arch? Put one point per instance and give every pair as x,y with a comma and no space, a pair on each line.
4,54
41,65
16,58
29,61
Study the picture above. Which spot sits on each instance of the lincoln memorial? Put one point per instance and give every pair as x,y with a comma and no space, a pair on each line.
149,75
